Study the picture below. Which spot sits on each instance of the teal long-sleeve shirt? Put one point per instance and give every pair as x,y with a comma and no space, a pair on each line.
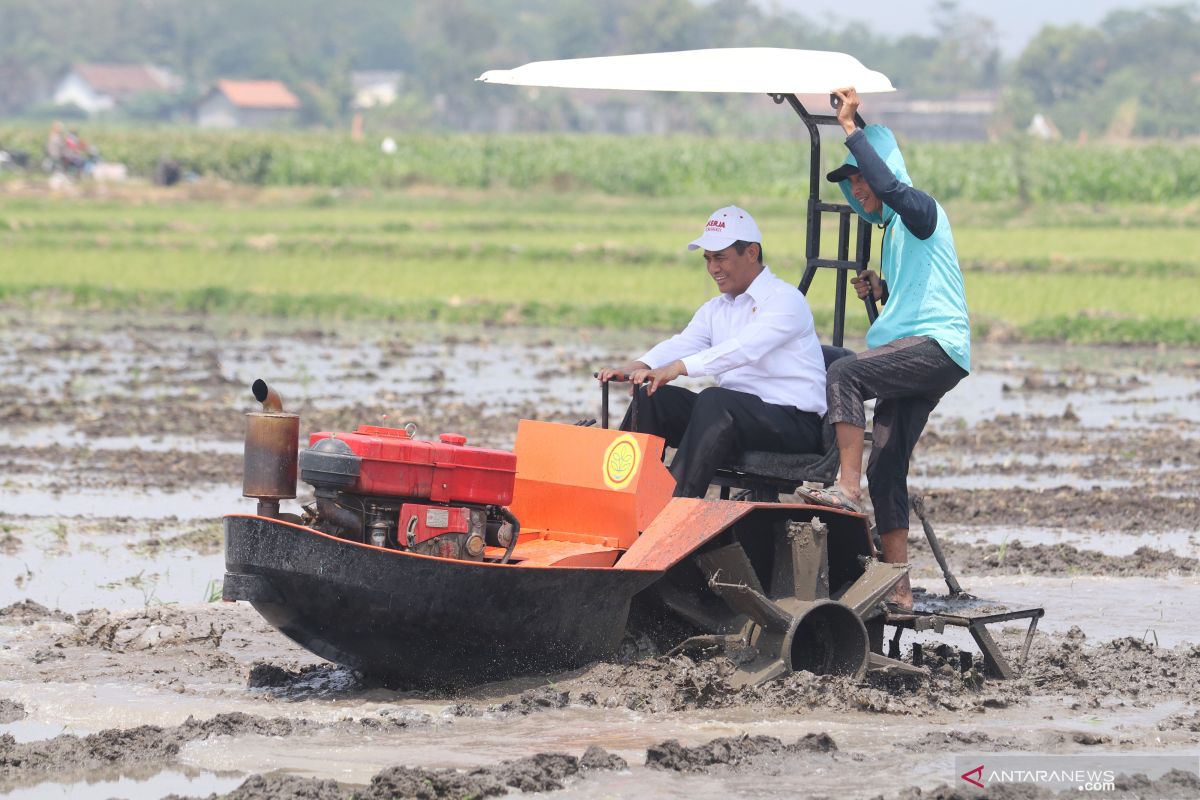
925,291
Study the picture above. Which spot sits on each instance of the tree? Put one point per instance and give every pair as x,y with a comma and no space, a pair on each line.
1140,65
1062,64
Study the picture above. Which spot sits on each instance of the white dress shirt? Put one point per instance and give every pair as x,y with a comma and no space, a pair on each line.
762,342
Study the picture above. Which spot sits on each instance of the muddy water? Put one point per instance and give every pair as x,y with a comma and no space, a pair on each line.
63,567
628,735
161,783
1058,477
1103,608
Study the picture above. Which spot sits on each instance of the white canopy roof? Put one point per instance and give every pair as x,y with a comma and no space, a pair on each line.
757,70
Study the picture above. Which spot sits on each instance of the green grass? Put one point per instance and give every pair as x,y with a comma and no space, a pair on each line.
539,258
316,284
212,590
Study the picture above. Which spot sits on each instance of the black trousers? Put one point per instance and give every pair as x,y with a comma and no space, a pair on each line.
909,377
709,428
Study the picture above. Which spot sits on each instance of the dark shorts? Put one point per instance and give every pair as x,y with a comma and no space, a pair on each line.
907,378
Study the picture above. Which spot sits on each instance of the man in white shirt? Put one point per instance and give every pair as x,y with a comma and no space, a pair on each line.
758,340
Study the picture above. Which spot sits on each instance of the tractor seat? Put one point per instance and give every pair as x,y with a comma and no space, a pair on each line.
763,473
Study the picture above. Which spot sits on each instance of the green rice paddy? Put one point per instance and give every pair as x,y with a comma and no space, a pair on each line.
1116,274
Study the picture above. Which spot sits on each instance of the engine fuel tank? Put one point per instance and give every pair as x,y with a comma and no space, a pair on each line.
393,464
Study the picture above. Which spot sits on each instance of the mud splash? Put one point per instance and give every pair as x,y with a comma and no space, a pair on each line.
1057,665
673,685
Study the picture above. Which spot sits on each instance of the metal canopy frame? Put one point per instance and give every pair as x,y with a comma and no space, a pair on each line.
782,74
812,234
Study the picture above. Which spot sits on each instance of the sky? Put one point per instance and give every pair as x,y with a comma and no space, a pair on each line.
1017,21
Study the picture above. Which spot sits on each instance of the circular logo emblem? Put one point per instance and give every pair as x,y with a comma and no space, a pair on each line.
621,461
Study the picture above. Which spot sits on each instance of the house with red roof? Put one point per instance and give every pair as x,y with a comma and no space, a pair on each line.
247,104
104,87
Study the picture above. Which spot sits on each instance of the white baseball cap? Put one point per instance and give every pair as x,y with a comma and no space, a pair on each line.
726,226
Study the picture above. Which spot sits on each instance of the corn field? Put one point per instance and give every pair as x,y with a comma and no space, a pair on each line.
678,166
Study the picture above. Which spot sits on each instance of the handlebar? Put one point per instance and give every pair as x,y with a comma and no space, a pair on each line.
835,103
638,395
869,301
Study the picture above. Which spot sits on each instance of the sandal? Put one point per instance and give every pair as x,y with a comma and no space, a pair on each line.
833,497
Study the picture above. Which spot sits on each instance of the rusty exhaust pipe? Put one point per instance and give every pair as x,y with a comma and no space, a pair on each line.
272,403
270,454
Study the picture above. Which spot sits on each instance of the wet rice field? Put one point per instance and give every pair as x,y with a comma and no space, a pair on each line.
1061,477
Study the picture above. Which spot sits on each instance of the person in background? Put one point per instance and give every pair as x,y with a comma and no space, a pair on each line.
55,143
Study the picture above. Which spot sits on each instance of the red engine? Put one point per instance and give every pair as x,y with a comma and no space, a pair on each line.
381,486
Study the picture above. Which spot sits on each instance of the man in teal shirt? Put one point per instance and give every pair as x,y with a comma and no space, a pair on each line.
920,345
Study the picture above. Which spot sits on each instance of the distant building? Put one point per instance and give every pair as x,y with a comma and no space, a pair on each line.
1043,128
375,88
247,104
103,87
962,118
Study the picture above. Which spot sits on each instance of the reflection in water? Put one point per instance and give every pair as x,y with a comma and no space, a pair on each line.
113,570
191,783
